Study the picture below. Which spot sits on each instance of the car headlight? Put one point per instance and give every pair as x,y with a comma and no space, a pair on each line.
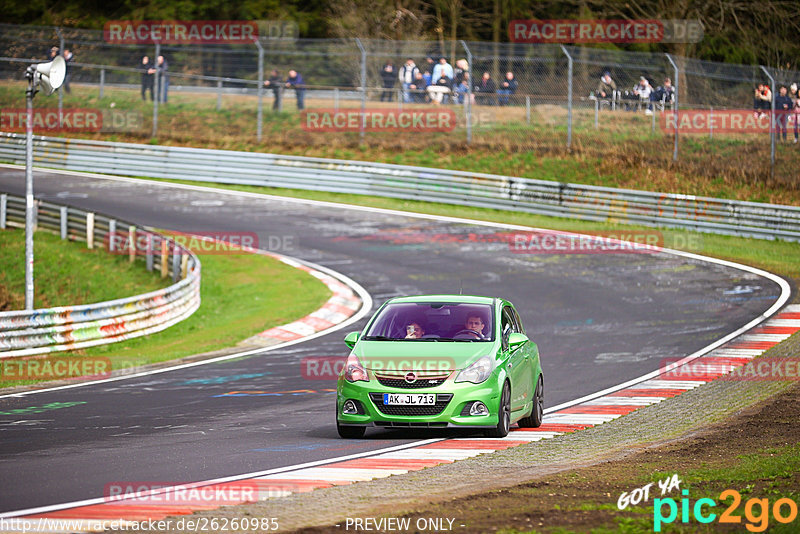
354,371
477,372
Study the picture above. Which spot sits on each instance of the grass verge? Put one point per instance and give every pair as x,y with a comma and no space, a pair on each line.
242,294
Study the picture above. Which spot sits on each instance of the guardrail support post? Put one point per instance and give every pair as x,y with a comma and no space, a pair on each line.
184,265
176,263
3,208
149,252
164,251
64,221
102,81
90,230
112,235
131,243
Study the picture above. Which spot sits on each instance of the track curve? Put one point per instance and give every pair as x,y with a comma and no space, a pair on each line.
598,319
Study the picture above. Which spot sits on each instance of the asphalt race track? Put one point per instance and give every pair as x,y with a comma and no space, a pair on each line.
599,319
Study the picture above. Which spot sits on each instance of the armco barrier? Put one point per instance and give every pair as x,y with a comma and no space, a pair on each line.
24,333
749,219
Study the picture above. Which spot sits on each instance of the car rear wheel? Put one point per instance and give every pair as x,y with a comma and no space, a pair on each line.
504,415
534,420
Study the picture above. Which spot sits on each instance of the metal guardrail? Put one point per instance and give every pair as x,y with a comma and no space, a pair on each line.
704,214
24,333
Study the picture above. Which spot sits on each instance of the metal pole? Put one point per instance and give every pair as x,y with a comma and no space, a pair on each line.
336,99
219,94
29,192
569,96
676,108
102,81
60,93
528,108
771,125
363,90
260,112
64,221
158,94
3,208
596,112
711,122
468,107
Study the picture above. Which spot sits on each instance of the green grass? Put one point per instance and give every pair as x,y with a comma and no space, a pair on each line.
242,294
67,273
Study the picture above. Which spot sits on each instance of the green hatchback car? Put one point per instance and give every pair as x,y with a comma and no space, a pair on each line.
441,361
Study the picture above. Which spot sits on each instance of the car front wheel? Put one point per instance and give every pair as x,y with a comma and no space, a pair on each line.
503,416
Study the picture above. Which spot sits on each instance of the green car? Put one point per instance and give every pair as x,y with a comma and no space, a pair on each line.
441,361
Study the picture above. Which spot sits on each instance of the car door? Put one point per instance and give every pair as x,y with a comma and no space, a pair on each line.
517,366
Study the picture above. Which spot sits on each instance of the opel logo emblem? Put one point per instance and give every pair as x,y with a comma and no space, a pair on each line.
411,378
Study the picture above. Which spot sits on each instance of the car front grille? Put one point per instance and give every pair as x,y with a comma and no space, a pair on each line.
442,400
394,381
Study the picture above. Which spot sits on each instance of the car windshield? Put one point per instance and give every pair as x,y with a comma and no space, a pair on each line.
432,321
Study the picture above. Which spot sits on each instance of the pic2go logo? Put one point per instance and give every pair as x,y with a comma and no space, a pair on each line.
756,511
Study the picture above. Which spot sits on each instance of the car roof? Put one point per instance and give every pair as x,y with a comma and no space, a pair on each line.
466,299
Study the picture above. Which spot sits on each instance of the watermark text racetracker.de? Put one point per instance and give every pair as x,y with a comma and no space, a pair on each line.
54,368
184,524
329,367
71,120
605,31
378,120
733,121
201,243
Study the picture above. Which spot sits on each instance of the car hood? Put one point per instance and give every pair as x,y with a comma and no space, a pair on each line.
420,355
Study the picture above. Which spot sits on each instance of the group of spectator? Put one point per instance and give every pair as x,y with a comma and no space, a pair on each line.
149,69
641,93
442,83
293,81
787,108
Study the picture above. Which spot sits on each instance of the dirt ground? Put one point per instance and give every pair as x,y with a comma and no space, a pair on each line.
755,453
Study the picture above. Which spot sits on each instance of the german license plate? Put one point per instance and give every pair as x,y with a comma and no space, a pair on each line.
409,398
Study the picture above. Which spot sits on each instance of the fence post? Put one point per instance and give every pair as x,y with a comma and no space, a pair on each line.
164,251
711,122
219,94
176,263
148,254
131,243
569,96
363,121
596,112
772,125
528,108
102,81
60,93
64,222
260,91
3,208
468,107
336,99
653,119
90,230
157,95
112,235
676,108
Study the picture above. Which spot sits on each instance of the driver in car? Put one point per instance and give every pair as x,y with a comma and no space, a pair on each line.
475,325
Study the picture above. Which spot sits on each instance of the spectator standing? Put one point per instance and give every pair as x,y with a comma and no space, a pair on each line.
68,58
783,107
407,75
485,90
606,87
388,78
507,88
147,78
762,100
642,91
295,81
442,68
418,87
163,79
274,83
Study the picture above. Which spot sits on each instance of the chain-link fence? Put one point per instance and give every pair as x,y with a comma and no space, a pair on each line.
621,108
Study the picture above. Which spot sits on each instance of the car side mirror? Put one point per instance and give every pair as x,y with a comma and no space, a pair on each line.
515,340
351,339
